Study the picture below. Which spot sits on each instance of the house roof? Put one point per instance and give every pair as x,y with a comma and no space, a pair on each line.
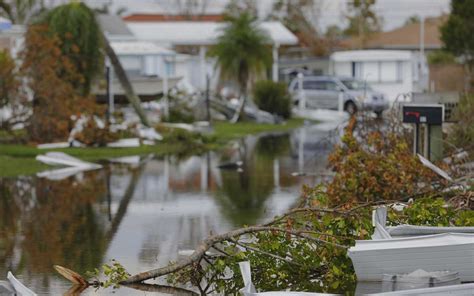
200,33
406,37
113,25
144,17
139,48
144,86
371,55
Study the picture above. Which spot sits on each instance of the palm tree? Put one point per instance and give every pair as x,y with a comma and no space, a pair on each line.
75,24
242,52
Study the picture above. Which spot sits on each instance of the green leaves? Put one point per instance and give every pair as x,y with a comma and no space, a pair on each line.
273,97
431,212
242,50
81,39
114,273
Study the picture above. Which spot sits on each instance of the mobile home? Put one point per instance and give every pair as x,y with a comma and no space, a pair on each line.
392,72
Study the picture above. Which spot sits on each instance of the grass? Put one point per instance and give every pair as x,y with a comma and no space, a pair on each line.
13,166
225,131
20,159
90,154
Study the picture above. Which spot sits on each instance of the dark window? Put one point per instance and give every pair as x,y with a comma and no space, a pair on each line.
314,85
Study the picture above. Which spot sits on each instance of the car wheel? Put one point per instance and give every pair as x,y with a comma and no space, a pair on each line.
350,108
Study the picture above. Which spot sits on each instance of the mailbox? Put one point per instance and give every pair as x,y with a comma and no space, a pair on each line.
432,114
430,117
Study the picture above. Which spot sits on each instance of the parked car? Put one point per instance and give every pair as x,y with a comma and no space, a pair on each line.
322,92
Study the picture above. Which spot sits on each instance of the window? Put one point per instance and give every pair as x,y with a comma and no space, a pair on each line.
399,71
314,85
370,72
330,85
357,69
131,62
169,66
388,71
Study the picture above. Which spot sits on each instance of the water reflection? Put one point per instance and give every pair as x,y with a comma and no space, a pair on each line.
142,215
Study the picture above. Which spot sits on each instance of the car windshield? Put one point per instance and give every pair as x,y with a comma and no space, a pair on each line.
355,84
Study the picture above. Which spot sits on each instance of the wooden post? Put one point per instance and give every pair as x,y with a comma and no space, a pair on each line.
416,139
275,62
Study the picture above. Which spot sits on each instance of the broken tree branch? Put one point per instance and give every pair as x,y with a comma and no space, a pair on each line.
209,242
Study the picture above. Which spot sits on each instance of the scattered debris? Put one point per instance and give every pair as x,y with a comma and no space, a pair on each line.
379,217
434,168
149,133
59,174
445,251
20,289
63,159
454,290
73,165
6,288
71,276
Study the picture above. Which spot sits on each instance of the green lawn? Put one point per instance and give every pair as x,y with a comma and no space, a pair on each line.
14,166
225,131
20,159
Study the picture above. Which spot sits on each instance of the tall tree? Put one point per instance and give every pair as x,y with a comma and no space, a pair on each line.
301,17
236,7
362,20
20,11
51,77
414,19
12,96
242,52
83,41
457,35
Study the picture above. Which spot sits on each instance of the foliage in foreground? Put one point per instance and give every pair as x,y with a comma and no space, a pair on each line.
273,97
382,167
305,249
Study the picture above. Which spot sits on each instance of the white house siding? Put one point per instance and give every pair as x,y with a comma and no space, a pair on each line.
344,69
388,71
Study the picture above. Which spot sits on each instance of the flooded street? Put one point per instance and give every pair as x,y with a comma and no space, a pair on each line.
141,213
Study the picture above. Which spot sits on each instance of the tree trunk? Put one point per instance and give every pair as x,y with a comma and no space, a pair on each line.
126,85
240,113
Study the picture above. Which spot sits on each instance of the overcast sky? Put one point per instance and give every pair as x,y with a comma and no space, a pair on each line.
393,12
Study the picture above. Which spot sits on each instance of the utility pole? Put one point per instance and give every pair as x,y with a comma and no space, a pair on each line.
422,36
208,111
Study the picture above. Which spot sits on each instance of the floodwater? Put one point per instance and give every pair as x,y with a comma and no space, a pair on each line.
143,212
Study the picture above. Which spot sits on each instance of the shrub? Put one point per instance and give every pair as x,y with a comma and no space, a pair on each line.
273,97
462,134
380,166
440,57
